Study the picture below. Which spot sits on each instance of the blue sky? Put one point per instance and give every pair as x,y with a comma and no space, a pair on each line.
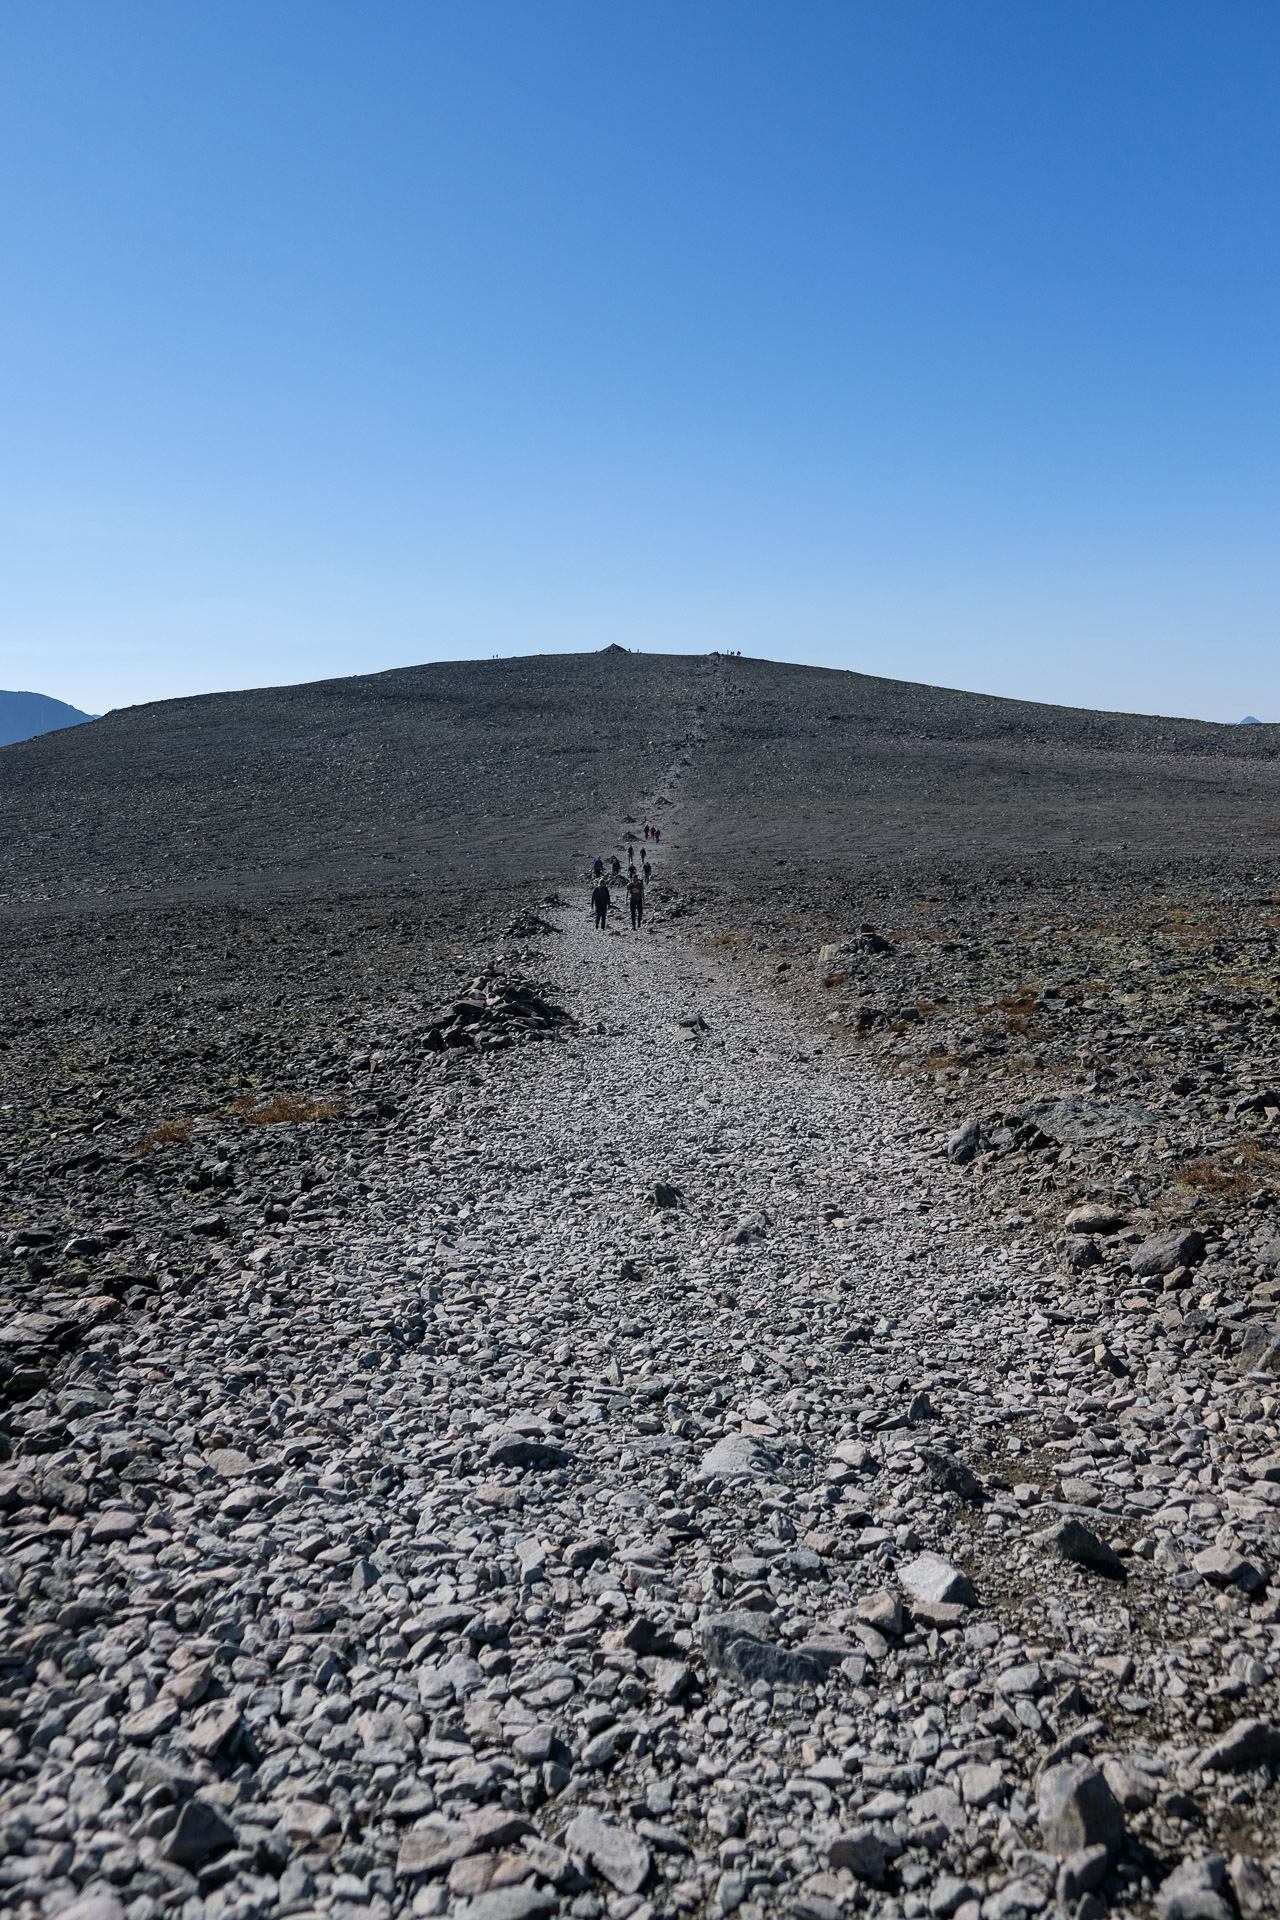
933,340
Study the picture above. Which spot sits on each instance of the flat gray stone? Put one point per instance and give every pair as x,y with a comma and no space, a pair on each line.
229,1463
938,1803
735,1457
94,1906
511,1903
619,1856
148,1723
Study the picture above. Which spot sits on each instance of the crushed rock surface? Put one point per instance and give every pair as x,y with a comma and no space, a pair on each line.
653,1489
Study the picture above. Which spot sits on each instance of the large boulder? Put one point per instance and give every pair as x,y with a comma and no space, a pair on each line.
1078,1809
1259,1347
1248,1743
1070,1539
964,1142
1162,1252
732,1647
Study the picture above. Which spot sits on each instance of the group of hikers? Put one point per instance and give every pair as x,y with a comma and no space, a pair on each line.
637,880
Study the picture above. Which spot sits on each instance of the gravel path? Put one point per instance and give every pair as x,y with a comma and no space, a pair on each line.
645,1509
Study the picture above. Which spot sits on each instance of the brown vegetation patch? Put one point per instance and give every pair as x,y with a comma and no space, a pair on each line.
285,1107
834,979
1252,1153
1205,1176
1016,1009
1019,1003
168,1133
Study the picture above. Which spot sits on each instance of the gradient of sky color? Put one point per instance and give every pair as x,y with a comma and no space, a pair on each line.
936,339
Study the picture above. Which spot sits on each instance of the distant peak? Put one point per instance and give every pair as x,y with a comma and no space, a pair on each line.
613,647
24,715
1250,721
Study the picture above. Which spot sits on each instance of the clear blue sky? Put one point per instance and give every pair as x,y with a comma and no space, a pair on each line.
931,339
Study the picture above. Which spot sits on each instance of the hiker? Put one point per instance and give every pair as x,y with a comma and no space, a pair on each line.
598,870
646,829
617,868
635,899
631,859
648,870
601,900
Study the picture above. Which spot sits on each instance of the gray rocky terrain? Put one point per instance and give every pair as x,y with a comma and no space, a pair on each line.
775,1414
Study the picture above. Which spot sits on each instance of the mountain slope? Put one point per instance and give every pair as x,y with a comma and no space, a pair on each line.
501,773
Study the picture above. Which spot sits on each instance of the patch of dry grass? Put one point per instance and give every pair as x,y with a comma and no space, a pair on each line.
286,1107
1016,1008
168,1133
1253,1154
1205,1176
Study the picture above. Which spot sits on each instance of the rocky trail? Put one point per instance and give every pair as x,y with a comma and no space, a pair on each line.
655,1490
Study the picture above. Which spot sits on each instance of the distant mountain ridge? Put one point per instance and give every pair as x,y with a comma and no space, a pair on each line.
24,715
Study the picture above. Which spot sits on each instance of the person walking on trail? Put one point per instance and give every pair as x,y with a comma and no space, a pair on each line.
631,859
617,868
601,901
648,870
598,870
635,899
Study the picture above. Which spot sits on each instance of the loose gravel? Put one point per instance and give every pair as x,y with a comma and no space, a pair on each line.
656,1491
